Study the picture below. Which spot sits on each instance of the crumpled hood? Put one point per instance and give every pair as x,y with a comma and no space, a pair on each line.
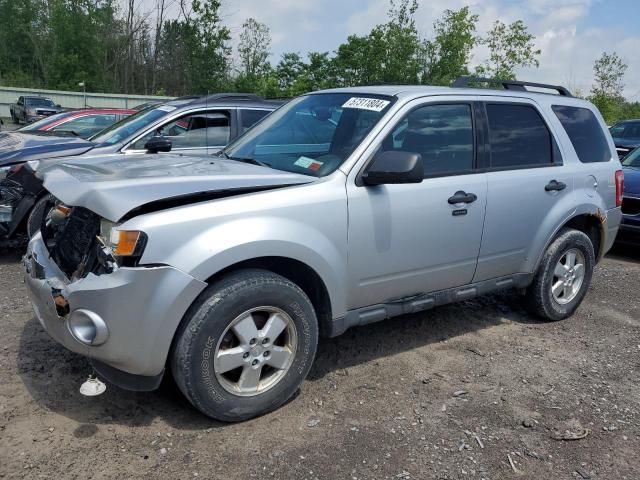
632,181
17,147
113,185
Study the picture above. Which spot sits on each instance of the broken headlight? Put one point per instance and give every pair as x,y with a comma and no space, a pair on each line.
125,245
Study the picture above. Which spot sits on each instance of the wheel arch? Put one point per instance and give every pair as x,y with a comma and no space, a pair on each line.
297,272
590,222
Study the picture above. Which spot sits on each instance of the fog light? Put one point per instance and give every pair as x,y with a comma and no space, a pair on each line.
87,327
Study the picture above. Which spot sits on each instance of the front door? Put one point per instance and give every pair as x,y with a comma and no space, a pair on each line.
417,238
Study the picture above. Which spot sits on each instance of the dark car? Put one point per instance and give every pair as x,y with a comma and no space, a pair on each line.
185,126
83,123
626,136
131,135
630,227
28,109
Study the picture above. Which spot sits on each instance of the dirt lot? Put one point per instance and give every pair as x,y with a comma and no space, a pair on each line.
476,390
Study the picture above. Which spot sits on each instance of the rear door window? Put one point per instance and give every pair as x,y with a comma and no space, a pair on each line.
585,133
518,137
248,118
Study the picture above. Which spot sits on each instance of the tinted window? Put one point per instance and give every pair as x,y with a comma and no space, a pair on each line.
518,137
442,134
633,159
631,131
585,133
196,130
248,118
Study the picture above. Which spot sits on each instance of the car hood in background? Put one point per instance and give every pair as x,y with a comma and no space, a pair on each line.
632,181
18,147
115,185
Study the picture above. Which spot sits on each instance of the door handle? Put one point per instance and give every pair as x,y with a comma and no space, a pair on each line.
555,186
462,197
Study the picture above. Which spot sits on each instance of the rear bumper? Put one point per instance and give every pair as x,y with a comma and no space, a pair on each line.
611,225
136,312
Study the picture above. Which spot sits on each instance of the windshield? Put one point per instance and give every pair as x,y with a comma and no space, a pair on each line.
312,135
629,130
130,125
39,102
43,122
633,159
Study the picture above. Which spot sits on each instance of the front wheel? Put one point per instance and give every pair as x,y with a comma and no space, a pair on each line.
563,277
37,214
245,346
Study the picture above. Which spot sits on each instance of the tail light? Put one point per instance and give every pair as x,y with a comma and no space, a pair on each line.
619,187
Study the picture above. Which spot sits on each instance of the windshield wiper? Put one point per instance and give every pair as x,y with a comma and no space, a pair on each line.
252,161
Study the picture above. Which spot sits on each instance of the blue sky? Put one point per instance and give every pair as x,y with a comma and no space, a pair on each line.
571,33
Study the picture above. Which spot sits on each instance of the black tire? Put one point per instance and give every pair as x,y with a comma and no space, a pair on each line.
539,298
14,119
34,221
197,339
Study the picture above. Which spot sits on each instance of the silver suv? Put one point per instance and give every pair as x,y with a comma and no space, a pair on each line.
341,208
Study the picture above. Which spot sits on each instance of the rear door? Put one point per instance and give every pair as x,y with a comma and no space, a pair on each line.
526,179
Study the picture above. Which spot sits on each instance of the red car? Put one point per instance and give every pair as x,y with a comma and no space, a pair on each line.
83,123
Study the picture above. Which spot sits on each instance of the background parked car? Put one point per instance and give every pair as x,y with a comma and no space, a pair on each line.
630,227
626,136
29,109
133,134
191,127
82,123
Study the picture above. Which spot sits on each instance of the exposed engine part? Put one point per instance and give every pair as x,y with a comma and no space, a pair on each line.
71,238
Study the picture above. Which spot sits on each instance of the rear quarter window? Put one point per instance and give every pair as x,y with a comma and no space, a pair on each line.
585,133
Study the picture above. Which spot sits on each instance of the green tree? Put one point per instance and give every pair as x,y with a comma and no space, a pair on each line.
607,90
210,60
510,47
389,54
253,50
447,55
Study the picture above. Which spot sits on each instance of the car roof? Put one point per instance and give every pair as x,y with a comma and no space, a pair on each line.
245,100
410,92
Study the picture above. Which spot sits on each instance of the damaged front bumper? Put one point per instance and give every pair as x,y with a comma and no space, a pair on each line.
123,321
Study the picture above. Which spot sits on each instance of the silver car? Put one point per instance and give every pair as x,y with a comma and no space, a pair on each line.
342,208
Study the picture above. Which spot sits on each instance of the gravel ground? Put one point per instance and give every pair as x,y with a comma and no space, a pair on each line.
8,124
475,390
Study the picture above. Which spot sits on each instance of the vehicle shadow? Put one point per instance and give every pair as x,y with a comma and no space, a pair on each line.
370,342
10,256
624,252
52,374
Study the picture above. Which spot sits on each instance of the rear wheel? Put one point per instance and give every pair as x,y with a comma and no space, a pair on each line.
563,277
245,346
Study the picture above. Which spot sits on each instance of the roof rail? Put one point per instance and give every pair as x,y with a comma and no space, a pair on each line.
464,81
234,96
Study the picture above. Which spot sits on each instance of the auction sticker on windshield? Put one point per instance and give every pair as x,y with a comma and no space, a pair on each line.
310,163
373,104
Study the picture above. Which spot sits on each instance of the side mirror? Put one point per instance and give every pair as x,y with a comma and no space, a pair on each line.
394,167
158,144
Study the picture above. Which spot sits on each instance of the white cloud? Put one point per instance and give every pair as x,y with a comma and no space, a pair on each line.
569,48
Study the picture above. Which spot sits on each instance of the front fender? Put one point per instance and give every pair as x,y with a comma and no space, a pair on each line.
252,238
